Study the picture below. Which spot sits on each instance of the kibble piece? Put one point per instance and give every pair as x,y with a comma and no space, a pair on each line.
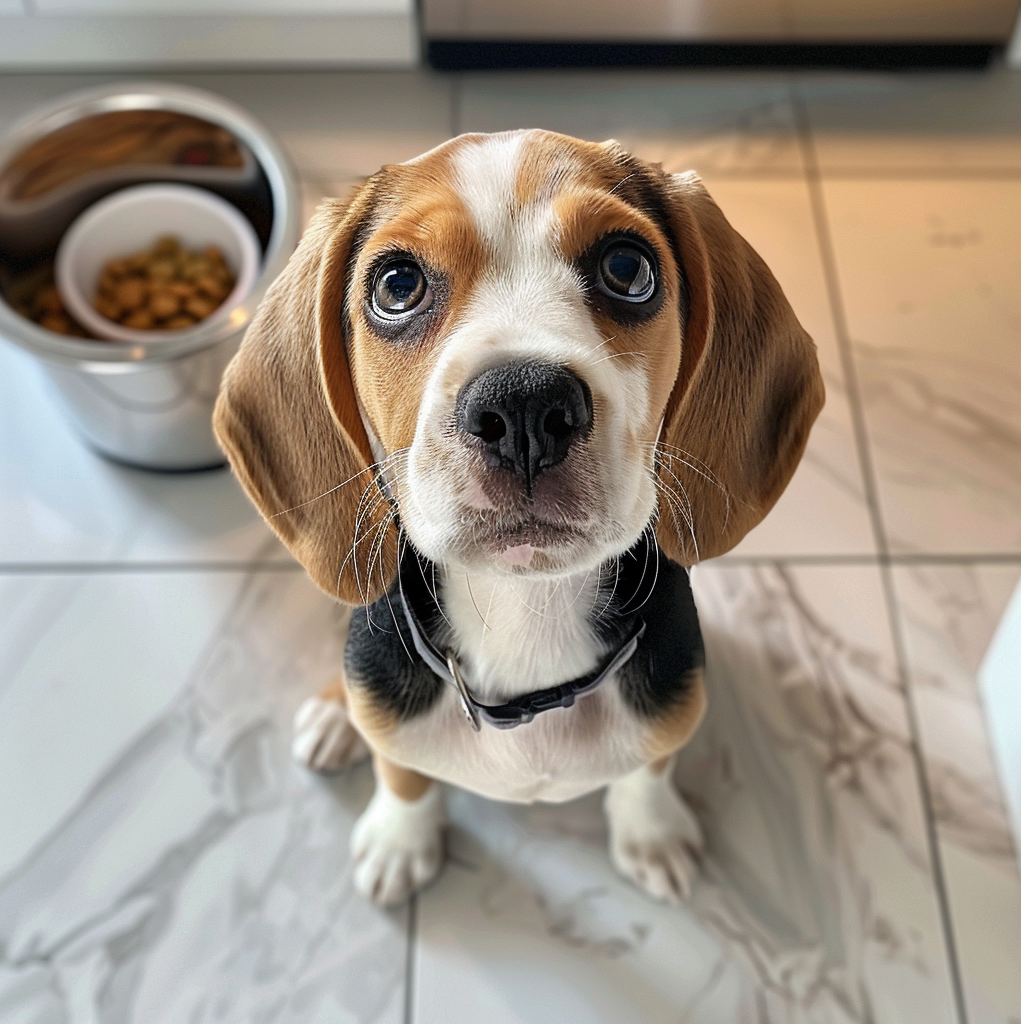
163,302
108,307
168,245
48,300
179,322
212,287
139,320
132,292
163,270
60,323
107,284
199,306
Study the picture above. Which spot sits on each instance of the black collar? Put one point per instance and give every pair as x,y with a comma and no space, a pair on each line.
522,709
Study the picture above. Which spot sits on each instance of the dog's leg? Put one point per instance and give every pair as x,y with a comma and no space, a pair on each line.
324,738
397,843
655,839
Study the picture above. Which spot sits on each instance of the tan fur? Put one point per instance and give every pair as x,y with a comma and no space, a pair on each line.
748,389
402,782
376,724
287,418
335,690
423,214
676,725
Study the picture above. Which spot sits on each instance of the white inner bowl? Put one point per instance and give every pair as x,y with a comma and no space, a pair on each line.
132,220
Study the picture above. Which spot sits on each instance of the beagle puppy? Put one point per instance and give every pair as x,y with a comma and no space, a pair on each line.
499,400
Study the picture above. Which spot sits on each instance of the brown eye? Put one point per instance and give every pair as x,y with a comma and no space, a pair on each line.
400,289
626,272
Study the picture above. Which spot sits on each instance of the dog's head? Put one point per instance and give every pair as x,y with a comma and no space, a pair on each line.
525,350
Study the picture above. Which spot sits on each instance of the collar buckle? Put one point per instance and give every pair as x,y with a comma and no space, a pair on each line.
467,704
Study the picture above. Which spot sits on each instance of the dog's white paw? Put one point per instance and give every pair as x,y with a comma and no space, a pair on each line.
397,845
324,738
655,839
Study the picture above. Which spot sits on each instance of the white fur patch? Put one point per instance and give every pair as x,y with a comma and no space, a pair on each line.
397,845
655,840
485,177
324,738
516,634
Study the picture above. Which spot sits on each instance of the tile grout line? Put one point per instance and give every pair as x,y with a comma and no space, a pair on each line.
128,568
110,568
924,559
839,313
409,961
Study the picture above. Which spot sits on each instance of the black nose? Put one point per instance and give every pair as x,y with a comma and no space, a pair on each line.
526,415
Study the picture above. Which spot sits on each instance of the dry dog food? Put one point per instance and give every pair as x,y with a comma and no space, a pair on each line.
40,301
165,288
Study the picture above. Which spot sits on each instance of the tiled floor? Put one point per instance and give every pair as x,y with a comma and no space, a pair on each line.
162,860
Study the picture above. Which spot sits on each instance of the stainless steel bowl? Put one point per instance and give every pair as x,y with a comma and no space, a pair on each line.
148,405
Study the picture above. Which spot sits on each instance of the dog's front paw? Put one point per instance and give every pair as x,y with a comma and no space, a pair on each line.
324,738
655,839
397,845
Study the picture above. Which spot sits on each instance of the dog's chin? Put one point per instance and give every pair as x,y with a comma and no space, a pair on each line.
532,549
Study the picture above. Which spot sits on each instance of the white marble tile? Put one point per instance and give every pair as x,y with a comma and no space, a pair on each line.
949,124
61,502
740,124
824,510
161,858
949,615
929,279
816,901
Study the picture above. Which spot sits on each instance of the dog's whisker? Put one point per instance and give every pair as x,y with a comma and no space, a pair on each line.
676,505
468,583
386,589
368,469
618,355
658,451
358,537
626,177
663,445
436,596
613,591
655,578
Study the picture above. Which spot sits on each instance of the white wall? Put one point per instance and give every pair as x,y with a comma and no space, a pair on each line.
195,33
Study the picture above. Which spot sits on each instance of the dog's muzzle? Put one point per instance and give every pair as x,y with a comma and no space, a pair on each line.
524,416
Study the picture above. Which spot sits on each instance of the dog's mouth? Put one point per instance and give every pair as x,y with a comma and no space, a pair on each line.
526,541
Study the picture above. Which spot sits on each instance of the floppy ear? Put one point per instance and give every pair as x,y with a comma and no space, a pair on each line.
288,419
748,389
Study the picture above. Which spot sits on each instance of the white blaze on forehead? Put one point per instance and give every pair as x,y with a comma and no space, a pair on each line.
528,291
486,177
486,174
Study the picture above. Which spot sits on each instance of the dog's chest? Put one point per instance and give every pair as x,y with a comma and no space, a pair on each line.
512,637
560,755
